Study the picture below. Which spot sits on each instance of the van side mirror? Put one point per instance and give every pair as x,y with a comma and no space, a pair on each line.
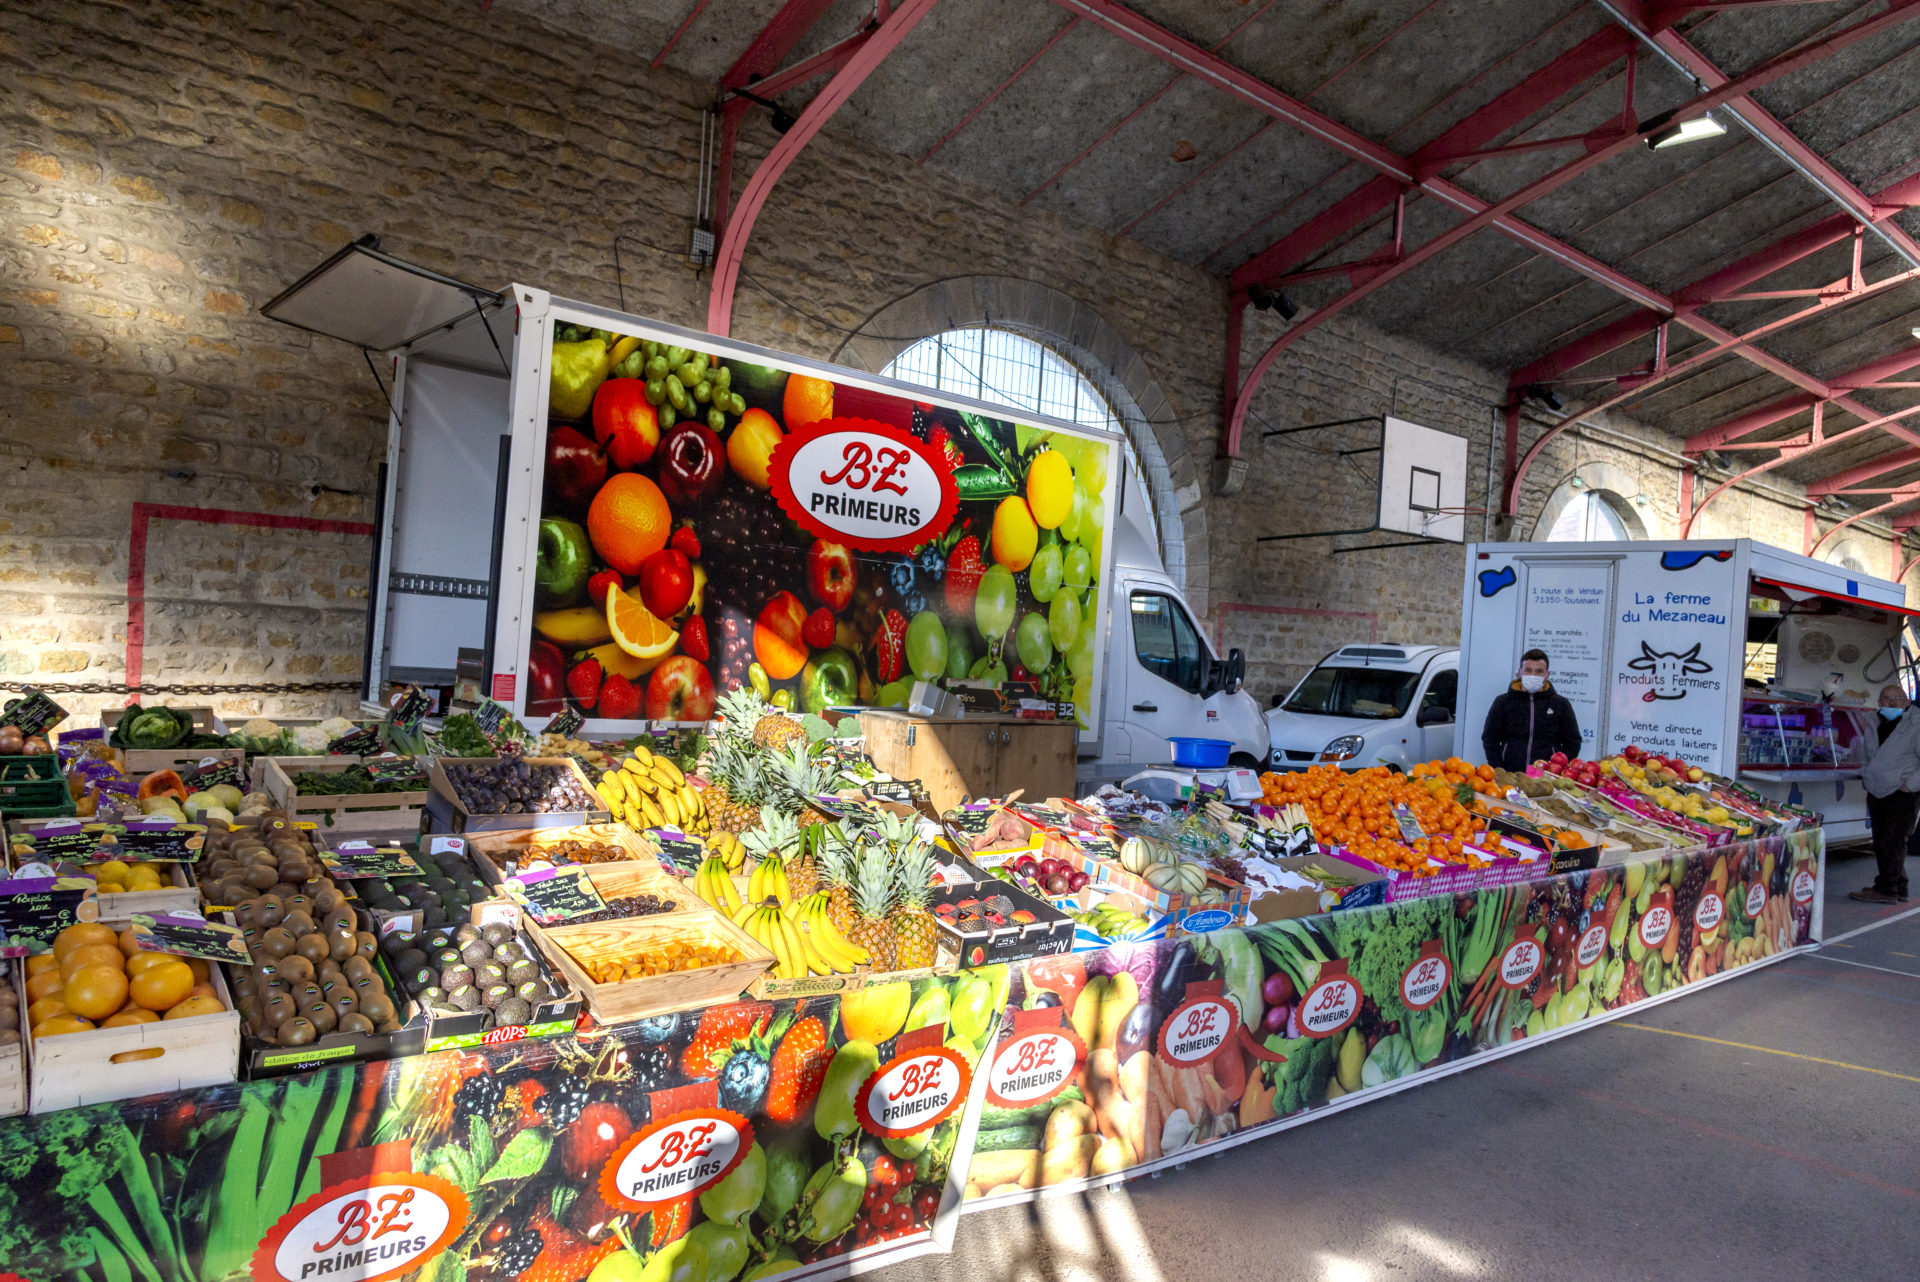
1209,673
1434,714
1236,670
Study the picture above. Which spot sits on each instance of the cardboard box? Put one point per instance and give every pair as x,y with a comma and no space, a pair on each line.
1280,905
1050,933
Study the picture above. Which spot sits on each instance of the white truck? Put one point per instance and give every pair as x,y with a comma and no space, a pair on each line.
1743,659
468,533
1368,704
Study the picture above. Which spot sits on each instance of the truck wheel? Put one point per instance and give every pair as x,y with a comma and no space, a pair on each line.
1244,761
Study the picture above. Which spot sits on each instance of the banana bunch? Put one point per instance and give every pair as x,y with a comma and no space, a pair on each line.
727,845
648,791
1110,922
769,881
840,953
711,883
797,953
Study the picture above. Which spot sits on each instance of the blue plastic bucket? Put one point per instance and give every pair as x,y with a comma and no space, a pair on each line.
1200,754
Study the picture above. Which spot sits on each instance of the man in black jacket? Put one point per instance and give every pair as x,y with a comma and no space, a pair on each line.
1531,721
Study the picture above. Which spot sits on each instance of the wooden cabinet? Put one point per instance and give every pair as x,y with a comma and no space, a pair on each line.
973,757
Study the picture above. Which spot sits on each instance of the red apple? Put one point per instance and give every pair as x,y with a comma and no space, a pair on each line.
679,690
666,583
777,639
625,423
830,575
1558,758
693,464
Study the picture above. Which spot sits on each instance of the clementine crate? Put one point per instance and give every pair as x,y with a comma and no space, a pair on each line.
572,949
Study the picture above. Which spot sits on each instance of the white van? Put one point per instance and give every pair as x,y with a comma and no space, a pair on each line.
1368,705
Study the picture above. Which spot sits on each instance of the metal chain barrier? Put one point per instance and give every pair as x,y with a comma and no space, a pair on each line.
121,687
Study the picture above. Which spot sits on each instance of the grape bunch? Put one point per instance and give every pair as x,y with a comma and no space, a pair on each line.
680,383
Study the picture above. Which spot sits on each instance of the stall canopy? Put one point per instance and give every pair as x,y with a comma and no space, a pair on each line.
1797,592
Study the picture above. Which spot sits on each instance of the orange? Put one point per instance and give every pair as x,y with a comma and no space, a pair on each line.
91,955
86,932
202,971
128,946
127,1018
44,984
192,1006
42,961
808,400
141,961
635,630
96,992
62,1024
628,521
45,1009
163,987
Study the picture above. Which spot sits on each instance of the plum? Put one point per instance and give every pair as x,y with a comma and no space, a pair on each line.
1278,990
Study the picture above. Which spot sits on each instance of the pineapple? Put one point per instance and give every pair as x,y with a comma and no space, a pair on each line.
836,873
916,938
802,779
777,732
738,788
741,711
778,836
873,891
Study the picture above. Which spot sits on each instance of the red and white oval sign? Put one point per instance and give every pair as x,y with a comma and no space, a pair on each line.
865,484
1197,1030
379,1226
1593,942
1329,1006
1426,979
1802,886
1654,925
1521,962
1756,900
1033,1068
674,1158
1709,912
913,1092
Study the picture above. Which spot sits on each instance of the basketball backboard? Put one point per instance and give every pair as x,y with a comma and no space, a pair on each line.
1423,481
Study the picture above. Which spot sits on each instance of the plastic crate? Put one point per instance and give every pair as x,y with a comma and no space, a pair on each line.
31,781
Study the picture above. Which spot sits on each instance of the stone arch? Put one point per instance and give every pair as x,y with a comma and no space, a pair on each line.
1083,336
1620,486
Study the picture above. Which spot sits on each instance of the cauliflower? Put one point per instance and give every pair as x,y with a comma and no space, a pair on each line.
311,740
260,728
336,727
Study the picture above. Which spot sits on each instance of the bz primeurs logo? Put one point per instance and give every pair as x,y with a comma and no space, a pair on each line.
374,1218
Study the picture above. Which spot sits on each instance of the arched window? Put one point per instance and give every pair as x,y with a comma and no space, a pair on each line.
1594,516
1004,368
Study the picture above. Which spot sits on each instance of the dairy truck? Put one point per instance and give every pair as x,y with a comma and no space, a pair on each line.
824,534
1748,661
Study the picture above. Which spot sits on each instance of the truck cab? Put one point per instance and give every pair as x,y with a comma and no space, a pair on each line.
1368,705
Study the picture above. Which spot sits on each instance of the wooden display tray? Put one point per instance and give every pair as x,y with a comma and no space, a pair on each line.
74,1069
487,848
181,895
445,807
140,762
361,814
635,877
657,994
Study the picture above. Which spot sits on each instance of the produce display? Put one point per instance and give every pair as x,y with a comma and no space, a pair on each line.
567,850
513,785
159,727
445,895
355,781
674,562
14,743
647,790
97,977
619,906
657,958
471,968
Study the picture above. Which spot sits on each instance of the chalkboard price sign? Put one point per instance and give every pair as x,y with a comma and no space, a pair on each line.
190,937
556,894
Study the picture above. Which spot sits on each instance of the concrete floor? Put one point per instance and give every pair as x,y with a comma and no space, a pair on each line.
1738,1132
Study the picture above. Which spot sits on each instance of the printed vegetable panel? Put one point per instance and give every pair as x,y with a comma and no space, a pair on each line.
738,1141
1115,1059
707,524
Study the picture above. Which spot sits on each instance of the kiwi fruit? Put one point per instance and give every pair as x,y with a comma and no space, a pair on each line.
260,877
365,943
277,1008
297,921
377,1007
295,967
320,1014
356,1023
269,910
298,1032
277,942
9,1037
344,1003
313,947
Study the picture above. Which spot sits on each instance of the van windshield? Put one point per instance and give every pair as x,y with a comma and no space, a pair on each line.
1377,693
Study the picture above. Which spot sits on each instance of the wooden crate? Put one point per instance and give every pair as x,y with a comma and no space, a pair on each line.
957,759
74,1069
567,946
444,807
366,814
491,851
180,895
13,1076
205,719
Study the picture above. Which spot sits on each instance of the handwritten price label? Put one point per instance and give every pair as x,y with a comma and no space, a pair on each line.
1196,1031
1654,925
913,1092
1593,942
1521,962
1709,912
678,1157
1756,900
1426,979
1033,1068
1802,887
1330,1006
378,1227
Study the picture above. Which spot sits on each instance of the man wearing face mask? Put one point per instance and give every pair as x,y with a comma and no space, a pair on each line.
1531,721
1892,780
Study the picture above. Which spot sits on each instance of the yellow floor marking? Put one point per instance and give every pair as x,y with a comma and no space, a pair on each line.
1831,945
1767,1050
1894,954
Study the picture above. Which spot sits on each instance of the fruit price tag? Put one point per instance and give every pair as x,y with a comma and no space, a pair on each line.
1756,900
556,894
359,859
1654,924
1426,979
366,1224
190,937
391,769
1035,1064
1332,1003
66,837
567,721
154,841
679,854
1709,912
356,743
1522,960
33,713
212,772
914,1091
678,1157
492,717
1198,1028
1593,942
1410,829
38,908
410,709
1802,887
446,842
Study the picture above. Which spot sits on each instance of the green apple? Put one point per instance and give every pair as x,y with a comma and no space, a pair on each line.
830,680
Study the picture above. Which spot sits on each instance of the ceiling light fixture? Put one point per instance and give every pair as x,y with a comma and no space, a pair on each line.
1916,331
1268,300
1698,129
1545,395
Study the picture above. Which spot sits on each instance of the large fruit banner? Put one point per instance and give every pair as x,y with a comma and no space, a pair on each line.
707,524
1116,1059
739,1141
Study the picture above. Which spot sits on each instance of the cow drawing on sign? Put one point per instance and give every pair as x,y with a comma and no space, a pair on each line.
1668,668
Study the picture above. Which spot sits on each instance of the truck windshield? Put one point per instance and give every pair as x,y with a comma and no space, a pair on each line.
1354,692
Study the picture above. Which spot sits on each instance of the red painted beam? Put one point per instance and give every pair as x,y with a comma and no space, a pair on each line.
826,61
1790,450
681,30
1787,406
1897,498
999,89
1855,479
884,40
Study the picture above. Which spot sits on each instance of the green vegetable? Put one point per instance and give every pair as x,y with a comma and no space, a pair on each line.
993,1118
1301,1082
462,736
153,728
1008,1137
1392,1058
352,782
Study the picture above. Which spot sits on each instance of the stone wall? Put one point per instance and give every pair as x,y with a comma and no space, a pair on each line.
168,168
